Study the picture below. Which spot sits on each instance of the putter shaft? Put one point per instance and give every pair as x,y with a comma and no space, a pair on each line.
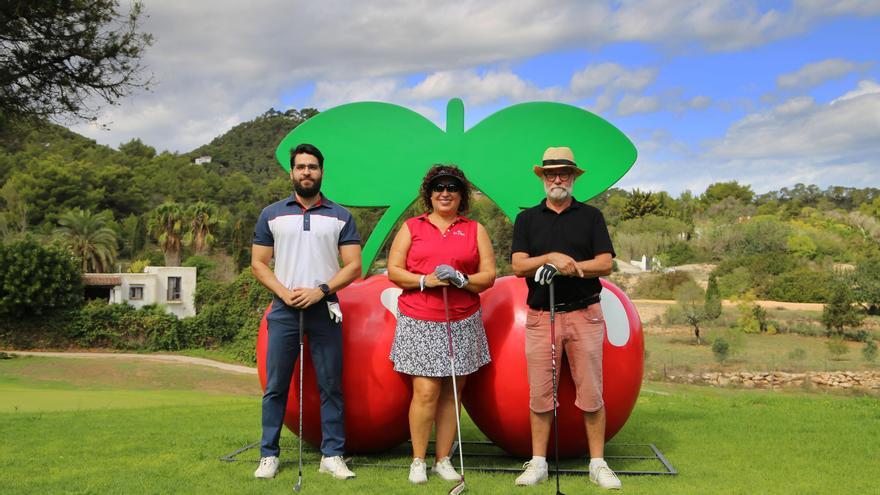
460,487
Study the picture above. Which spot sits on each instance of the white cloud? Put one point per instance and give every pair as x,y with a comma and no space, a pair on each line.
478,89
610,78
866,87
329,94
799,140
816,73
222,61
631,104
799,128
699,102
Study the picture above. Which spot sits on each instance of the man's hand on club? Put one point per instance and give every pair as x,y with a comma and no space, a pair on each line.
455,277
303,298
565,264
545,274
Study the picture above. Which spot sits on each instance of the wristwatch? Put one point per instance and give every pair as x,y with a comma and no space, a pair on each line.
325,289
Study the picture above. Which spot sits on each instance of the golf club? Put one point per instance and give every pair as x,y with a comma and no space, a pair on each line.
553,368
460,487
299,481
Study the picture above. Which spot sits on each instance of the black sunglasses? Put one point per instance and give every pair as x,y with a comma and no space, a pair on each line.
439,188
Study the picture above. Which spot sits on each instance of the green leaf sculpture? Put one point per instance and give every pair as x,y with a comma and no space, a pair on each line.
377,154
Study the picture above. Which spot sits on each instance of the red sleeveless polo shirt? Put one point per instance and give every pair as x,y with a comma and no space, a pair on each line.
456,247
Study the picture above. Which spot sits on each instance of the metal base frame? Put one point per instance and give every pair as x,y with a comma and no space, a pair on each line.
495,460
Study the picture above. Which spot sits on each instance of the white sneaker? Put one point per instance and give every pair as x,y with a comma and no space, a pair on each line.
417,472
603,476
268,467
444,468
336,467
534,473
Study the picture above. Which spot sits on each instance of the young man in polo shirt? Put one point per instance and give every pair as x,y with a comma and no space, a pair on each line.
564,241
307,234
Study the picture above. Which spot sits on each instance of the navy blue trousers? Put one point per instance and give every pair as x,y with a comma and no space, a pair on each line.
325,347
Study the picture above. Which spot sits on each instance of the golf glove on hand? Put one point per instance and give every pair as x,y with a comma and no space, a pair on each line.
455,277
335,311
545,274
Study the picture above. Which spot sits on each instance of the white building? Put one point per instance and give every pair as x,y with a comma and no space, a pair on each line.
202,159
172,287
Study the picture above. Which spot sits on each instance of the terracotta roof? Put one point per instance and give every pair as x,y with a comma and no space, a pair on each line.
101,279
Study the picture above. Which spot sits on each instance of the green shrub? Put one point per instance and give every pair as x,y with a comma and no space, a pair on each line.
678,253
120,326
836,348
674,315
661,285
720,349
801,327
47,331
735,283
713,298
869,352
35,279
803,284
204,266
228,315
840,313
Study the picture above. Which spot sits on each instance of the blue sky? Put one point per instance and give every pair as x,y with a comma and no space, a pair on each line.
767,93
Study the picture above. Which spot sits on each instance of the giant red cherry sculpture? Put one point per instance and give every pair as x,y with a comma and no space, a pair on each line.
376,397
497,396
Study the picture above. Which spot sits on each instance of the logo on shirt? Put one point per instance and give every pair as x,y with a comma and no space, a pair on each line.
458,232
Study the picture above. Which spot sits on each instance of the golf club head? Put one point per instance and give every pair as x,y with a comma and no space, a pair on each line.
298,485
459,488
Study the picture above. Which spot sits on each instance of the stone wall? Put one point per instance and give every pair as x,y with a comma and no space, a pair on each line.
854,380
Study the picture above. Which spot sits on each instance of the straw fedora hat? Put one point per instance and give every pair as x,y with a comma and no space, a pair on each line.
560,157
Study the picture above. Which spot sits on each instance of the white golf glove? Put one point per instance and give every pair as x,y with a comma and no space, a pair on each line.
335,311
545,274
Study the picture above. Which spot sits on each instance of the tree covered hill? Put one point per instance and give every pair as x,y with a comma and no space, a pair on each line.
249,147
57,186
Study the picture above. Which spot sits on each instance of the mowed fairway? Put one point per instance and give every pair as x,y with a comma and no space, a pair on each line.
90,426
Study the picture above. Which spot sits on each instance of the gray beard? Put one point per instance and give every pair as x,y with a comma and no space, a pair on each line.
558,194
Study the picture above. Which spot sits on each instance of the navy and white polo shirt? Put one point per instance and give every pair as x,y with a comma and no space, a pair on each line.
306,242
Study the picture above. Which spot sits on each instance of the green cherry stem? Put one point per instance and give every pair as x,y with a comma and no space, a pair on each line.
455,117
380,234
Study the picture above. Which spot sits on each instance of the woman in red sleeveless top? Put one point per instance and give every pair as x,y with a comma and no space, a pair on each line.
437,249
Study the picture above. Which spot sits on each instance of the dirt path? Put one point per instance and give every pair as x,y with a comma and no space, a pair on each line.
766,304
166,358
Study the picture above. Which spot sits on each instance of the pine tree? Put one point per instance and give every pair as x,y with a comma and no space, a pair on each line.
713,298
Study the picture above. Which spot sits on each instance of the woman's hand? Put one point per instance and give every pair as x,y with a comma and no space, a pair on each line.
431,280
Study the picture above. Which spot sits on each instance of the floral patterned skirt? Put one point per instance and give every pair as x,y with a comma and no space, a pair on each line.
421,347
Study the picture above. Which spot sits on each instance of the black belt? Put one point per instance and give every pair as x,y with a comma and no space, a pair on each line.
575,305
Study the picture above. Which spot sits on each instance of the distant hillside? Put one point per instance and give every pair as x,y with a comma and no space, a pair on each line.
249,147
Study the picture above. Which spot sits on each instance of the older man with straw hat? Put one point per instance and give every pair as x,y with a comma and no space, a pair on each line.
562,247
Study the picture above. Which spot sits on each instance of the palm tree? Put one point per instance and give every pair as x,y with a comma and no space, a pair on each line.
166,225
89,238
203,217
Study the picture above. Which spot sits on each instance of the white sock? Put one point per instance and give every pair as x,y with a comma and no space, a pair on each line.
539,460
597,462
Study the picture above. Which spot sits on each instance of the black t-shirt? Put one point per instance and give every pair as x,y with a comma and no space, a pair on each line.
579,231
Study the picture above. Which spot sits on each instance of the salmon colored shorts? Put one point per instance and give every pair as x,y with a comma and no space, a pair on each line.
580,334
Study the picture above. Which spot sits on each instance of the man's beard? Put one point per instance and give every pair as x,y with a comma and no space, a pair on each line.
307,192
557,193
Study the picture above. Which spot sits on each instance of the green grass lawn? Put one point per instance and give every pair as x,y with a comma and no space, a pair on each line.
123,427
